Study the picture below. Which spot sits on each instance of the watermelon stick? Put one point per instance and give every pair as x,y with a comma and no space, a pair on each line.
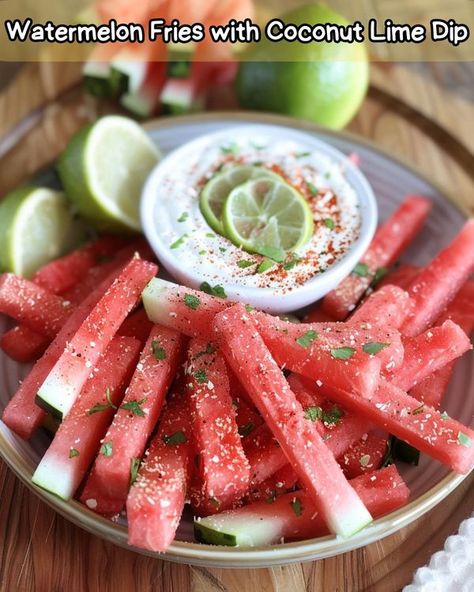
314,464
438,283
222,462
296,516
36,307
136,418
21,414
402,276
388,307
390,240
156,499
77,440
64,382
408,419
460,311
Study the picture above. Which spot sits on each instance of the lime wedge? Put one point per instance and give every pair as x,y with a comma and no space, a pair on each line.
35,225
266,215
103,169
218,188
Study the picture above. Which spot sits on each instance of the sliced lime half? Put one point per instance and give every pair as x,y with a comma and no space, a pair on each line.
218,188
103,169
267,214
35,224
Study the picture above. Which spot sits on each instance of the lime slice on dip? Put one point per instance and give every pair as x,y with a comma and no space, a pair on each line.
218,188
267,215
103,169
35,224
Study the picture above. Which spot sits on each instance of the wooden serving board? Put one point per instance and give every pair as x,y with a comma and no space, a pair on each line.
406,114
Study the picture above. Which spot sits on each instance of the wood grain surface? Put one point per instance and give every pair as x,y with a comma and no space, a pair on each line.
407,114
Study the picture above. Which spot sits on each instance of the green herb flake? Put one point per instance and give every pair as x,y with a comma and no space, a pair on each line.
249,308
374,347
231,148
106,449
103,406
296,506
418,410
307,339
245,430
313,413
210,349
178,243
176,438
202,252
302,154
222,249
184,216
201,376
134,467
312,188
342,353
361,269
210,235
380,273
108,396
265,265
333,416
134,407
216,290
329,223
444,415
274,253
244,263
272,495
292,262
464,440
364,460
159,353
73,452
191,301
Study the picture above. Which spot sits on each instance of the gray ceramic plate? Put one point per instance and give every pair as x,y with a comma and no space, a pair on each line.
429,483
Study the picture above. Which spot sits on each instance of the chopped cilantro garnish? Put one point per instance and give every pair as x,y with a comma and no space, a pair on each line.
361,269
444,415
184,216
332,416
245,430
296,506
244,263
134,407
73,452
313,413
134,466
179,242
191,301
249,308
231,148
294,260
106,449
103,406
464,439
418,410
210,349
302,154
176,438
202,252
271,496
329,222
159,353
343,353
200,376
274,253
364,460
222,249
216,290
108,395
380,273
312,188
307,339
265,265
210,235
374,347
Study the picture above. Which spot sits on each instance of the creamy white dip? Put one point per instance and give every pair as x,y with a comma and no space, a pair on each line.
322,181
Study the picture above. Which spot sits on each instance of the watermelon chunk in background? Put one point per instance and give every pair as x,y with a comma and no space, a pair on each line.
438,283
390,240
314,464
136,418
402,276
32,305
63,383
77,440
22,415
222,464
295,516
156,499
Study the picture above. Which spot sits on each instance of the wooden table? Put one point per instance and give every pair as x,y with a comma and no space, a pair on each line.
408,114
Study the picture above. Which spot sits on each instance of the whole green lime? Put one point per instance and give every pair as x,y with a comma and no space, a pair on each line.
324,82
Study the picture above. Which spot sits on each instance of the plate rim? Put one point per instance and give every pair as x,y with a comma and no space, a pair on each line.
234,557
